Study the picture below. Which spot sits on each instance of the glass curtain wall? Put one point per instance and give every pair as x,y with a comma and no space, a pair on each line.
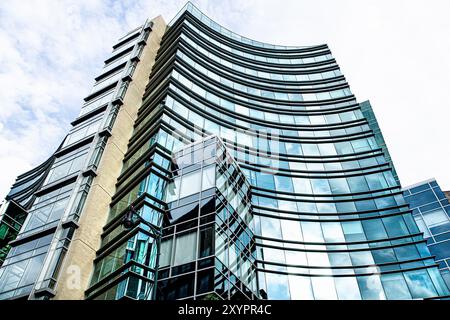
329,220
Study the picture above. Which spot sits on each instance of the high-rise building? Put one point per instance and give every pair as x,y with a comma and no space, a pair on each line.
66,199
431,210
219,168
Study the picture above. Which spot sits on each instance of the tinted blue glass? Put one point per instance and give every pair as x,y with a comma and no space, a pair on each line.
395,226
420,284
374,229
395,286
422,198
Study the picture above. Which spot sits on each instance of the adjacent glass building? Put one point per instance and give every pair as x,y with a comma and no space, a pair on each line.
250,172
431,210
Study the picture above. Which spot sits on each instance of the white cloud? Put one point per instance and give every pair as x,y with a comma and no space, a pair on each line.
50,52
392,52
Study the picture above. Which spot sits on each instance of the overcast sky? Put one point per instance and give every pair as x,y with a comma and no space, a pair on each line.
394,53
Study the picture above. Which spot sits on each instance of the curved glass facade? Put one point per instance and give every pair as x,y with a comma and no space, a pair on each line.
328,218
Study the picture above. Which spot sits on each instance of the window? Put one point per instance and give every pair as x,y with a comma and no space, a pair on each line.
395,226
309,96
300,288
190,184
277,287
242,110
320,186
347,288
312,231
376,181
61,170
395,286
357,184
332,232
435,218
371,288
270,228
361,258
384,256
206,242
185,250
265,180
310,149
166,252
406,253
323,288
317,119
422,198
205,281
343,147
318,259
94,104
85,131
106,81
283,183
422,226
228,134
46,214
374,229
339,259
302,185
327,149
209,179
353,231
32,271
339,186
291,230
297,258
173,190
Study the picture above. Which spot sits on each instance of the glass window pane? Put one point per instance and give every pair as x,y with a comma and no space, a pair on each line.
323,288
420,284
395,286
277,286
332,232
302,185
353,231
166,252
300,288
209,178
291,230
312,231
190,184
296,258
173,190
371,288
270,228
347,288
435,218
185,248
395,226
206,242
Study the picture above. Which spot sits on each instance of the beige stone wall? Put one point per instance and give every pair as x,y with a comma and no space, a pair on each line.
78,264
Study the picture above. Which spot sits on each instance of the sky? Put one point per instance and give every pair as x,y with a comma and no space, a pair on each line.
393,53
